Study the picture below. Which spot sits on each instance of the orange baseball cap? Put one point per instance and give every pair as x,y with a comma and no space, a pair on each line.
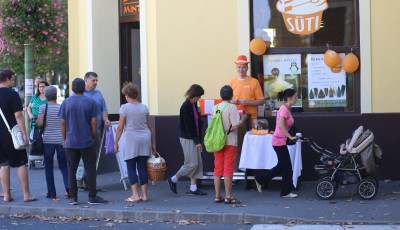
241,60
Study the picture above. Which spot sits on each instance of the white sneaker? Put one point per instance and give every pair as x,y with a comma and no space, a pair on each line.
259,187
290,195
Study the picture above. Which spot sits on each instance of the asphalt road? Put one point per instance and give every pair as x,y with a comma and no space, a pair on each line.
43,223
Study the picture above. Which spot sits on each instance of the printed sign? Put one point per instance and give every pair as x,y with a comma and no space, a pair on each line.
302,16
281,71
121,145
129,7
326,86
29,87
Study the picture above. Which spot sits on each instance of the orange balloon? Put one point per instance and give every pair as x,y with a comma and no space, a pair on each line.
258,46
331,58
350,63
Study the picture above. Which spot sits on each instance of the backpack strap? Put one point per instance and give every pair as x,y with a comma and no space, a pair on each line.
223,108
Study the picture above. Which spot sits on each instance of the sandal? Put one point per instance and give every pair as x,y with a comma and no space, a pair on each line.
219,199
232,201
132,200
31,199
9,199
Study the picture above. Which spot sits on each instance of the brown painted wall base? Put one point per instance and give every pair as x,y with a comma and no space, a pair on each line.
329,131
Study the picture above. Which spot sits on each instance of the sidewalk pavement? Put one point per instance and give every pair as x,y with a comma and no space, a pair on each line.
265,208
325,227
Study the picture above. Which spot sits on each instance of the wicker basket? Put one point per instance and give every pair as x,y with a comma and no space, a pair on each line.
156,171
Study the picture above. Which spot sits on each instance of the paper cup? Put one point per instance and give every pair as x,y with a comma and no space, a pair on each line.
305,23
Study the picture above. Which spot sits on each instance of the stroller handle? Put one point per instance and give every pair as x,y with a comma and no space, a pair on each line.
305,139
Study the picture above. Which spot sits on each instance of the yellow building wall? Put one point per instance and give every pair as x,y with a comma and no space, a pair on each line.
385,37
77,39
189,42
105,43
94,45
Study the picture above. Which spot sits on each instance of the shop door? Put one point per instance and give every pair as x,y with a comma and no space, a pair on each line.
130,56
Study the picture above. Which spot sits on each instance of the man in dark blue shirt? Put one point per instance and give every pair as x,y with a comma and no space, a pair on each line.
79,128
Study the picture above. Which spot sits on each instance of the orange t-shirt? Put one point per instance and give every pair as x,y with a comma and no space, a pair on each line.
247,89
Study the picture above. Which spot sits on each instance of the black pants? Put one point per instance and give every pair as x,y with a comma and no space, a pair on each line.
89,160
284,168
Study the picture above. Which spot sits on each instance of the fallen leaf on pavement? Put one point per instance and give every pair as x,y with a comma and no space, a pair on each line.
177,211
351,199
246,222
183,222
360,217
145,208
332,202
387,214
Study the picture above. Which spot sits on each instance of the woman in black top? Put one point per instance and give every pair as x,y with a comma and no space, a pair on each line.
189,135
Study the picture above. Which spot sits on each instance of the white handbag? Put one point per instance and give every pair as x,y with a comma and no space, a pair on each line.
16,134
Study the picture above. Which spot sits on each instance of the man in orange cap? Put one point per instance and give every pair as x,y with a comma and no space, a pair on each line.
246,90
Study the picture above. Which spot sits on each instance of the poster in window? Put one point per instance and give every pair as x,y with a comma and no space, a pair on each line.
326,86
281,71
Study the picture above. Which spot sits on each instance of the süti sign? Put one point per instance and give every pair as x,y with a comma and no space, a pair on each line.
302,16
129,7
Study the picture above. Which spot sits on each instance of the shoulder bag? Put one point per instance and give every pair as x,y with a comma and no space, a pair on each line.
16,134
37,147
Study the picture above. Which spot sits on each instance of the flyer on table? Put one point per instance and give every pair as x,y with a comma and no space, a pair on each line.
326,86
281,71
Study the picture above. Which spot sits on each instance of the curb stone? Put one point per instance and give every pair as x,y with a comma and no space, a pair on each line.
226,218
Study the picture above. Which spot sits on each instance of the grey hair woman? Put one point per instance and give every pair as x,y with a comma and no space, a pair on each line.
52,141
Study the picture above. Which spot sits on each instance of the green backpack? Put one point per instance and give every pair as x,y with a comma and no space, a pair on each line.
215,137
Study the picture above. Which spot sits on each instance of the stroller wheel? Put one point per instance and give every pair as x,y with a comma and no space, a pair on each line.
328,177
325,189
367,188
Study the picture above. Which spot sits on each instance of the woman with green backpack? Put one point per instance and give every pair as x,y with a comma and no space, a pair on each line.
225,158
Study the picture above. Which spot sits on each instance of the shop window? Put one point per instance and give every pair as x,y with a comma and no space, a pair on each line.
297,43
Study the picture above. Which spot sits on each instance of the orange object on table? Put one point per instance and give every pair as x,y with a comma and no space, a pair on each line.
202,103
216,101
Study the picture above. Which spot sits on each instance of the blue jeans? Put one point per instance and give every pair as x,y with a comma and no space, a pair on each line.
49,150
138,163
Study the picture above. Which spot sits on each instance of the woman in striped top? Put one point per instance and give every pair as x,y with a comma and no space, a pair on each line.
52,139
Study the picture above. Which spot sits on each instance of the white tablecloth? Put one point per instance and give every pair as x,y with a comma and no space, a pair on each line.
258,153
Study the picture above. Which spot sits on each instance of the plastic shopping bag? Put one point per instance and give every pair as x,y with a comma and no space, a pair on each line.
109,141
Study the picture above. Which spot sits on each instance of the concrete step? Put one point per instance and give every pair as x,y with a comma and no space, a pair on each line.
324,227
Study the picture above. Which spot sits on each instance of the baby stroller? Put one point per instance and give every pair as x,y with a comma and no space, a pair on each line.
347,169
